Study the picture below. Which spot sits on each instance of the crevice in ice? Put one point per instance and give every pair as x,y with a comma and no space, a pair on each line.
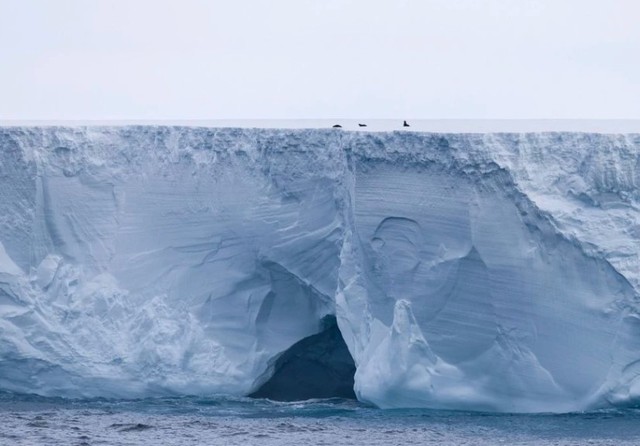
319,366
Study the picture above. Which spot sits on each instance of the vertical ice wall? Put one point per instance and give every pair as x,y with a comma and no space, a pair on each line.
493,272
161,260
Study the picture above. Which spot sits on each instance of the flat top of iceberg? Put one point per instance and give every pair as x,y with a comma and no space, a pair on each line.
377,125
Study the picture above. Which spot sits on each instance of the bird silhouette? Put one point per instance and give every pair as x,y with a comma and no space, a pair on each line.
337,126
362,125
405,124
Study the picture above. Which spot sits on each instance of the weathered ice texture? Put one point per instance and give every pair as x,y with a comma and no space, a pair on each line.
467,271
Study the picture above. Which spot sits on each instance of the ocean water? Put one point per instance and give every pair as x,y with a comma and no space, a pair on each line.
31,420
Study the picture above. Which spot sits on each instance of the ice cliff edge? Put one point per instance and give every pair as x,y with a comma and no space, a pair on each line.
466,271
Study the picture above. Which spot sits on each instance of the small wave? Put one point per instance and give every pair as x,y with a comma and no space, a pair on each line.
134,427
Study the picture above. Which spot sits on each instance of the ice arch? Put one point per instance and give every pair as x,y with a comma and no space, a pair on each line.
318,366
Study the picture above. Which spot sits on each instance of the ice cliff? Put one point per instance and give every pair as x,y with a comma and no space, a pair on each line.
466,271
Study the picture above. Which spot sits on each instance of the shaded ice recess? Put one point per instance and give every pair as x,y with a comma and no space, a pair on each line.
319,366
491,272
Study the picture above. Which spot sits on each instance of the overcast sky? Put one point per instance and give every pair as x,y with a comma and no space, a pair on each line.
207,59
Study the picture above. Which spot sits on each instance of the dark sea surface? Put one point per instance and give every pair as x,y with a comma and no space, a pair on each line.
31,420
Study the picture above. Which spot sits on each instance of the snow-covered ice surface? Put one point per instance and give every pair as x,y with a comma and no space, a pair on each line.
373,125
492,272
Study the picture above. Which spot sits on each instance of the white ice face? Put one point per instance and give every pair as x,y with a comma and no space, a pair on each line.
489,272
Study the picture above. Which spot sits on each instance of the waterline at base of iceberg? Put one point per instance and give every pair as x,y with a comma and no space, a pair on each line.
220,420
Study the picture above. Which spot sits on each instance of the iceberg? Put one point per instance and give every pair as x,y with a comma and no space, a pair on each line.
494,272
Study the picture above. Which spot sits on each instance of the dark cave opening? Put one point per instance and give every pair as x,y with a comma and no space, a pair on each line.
318,366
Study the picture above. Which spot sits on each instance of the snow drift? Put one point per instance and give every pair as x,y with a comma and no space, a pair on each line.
465,271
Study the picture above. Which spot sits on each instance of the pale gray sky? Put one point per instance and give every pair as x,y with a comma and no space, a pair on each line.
197,59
